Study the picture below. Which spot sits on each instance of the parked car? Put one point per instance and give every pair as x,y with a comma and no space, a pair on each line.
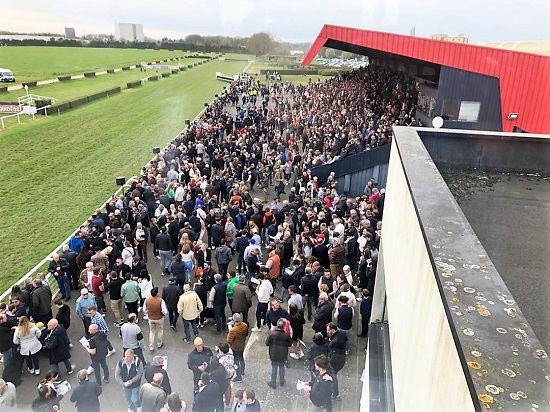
6,75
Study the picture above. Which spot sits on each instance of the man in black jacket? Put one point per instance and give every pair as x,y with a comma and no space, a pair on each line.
309,289
156,367
98,348
198,361
58,344
163,246
41,302
278,341
218,297
86,394
115,280
320,389
323,314
223,257
336,354
171,295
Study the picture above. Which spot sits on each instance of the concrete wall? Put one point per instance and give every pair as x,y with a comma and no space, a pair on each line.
427,372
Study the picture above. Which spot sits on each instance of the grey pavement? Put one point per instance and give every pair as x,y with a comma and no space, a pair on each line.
258,366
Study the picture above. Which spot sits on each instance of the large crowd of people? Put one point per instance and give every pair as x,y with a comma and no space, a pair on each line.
233,214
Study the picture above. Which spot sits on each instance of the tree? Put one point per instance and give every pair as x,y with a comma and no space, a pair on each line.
260,44
330,53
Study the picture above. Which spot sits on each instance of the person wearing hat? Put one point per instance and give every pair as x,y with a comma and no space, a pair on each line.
171,295
7,395
86,394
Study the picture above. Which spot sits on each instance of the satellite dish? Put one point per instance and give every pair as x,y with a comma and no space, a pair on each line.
437,122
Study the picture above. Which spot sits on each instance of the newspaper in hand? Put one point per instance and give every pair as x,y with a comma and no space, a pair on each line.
63,388
300,385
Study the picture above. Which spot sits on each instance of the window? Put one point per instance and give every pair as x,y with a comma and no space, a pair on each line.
460,111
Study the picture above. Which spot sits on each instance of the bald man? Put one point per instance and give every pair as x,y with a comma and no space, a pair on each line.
151,395
58,345
198,361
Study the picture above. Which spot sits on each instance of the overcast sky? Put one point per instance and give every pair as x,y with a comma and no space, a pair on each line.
288,20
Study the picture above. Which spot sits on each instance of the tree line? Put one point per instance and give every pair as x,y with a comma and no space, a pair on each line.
259,44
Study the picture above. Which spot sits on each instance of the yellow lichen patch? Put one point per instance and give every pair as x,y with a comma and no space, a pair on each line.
483,397
474,365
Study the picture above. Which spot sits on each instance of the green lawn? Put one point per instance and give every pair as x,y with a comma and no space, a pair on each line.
41,63
58,169
72,89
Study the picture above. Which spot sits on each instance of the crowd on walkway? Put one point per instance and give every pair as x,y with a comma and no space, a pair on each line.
210,201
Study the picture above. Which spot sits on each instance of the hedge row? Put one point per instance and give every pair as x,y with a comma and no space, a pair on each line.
189,66
110,71
164,75
89,74
62,107
153,78
3,89
132,85
182,68
126,68
198,56
64,78
30,84
175,71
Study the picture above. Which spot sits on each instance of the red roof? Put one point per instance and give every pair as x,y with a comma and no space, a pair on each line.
524,77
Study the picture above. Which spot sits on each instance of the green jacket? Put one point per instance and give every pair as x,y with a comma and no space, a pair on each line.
230,285
130,291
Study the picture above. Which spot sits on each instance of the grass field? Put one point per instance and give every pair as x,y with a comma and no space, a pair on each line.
64,91
41,63
58,169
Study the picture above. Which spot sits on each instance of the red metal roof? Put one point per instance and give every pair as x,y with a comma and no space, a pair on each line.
524,78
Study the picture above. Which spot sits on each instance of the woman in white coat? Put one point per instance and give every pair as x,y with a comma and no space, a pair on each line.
27,336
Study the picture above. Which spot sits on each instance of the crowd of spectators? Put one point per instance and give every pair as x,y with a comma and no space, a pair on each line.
214,198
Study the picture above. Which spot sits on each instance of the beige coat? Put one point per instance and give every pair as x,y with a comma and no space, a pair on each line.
189,305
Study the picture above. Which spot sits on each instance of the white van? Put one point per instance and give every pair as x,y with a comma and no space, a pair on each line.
6,75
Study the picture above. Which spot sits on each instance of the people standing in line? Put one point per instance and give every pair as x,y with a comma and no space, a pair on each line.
132,337
59,347
86,394
171,295
82,304
98,348
151,394
155,310
27,336
198,361
278,342
189,307
236,338
128,373
114,286
130,293
218,299
263,291
156,366
336,355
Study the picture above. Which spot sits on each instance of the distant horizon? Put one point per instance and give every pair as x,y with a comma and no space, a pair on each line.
286,20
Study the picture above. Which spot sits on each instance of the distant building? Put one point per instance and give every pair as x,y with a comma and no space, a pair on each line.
129,31
457,39
70,33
